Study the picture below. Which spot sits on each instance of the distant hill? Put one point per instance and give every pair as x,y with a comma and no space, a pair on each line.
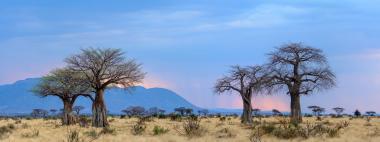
17,98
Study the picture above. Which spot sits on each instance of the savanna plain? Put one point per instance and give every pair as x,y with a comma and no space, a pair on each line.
193,129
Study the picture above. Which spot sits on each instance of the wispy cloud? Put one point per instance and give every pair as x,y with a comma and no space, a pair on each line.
268,16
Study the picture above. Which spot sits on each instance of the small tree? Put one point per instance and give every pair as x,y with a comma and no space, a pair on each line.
134,111
53,111
188,111
370,113
314,109
203,112
255,111
180,110
39,113
155,111
104,68
339,111
66,85
276,112
77,109
357,113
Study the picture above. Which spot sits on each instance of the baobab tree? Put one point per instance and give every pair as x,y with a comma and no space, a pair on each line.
338,110
298,70
245,81
68,86
104,68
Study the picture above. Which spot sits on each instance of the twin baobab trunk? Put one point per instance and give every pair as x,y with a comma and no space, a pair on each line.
68,118
246,118
99,111
295,106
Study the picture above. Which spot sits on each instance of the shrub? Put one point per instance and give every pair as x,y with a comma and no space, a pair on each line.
157,130
139,127
7,129
191,127
222,119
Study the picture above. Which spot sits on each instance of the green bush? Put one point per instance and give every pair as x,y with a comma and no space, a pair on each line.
157,130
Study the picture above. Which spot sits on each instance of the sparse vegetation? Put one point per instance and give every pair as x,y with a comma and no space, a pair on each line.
33,133
73,136
139,127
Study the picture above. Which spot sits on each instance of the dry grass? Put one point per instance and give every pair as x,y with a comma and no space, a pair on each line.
215,130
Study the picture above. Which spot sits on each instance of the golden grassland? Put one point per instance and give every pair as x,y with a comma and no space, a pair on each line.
213,130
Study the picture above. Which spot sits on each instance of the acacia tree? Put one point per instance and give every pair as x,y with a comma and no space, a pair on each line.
314,109
299,69
276,112
371,113
77,109
245,81
104,68
180,110
68,86
134,111
338,110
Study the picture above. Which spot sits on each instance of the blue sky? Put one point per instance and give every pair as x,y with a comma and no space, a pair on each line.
185,46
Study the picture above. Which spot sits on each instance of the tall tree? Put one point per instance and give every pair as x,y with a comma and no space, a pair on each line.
299,70
245,81
68,86
104,68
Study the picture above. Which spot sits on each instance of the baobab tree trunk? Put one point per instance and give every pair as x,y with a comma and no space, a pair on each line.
295,106
99,111
246,118
68,118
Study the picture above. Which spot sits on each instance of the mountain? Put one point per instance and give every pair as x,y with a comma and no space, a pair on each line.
16,98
